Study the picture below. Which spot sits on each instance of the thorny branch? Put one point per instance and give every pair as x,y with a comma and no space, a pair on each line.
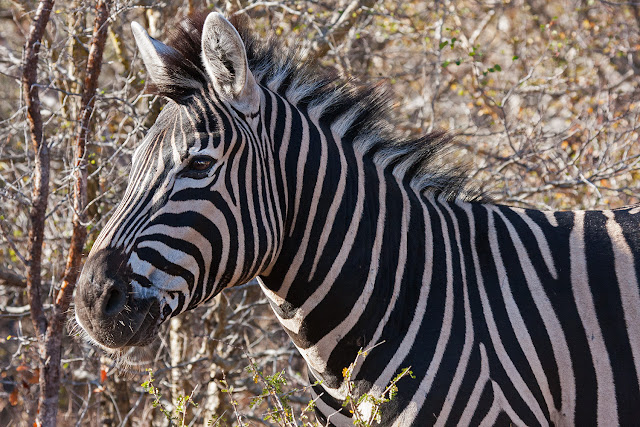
78,237
41,169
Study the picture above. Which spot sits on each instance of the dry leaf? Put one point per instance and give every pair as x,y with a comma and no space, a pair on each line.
13,397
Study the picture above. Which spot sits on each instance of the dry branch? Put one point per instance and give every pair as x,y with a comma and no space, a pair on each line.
50,389
341,26
40,196
41,173
78,237
9,278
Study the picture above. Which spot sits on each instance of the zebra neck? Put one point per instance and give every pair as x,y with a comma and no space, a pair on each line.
365,251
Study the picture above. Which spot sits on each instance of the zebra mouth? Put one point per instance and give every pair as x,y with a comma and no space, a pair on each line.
135,326
147,329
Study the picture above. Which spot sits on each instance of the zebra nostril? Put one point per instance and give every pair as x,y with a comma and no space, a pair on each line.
114,301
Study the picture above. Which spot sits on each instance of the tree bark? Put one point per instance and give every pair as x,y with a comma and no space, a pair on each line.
40,191
41,169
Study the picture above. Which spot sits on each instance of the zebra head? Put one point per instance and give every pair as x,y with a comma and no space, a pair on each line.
192,219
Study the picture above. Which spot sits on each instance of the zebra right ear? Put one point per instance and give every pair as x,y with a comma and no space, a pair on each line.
225,59
156,57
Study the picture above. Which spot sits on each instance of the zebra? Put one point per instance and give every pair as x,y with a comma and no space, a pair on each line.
260,167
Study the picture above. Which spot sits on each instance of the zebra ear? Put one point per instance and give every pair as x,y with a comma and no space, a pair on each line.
225,58
156,57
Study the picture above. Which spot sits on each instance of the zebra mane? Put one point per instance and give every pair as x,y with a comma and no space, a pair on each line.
362,113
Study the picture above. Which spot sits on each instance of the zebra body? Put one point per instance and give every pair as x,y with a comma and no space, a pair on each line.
255,168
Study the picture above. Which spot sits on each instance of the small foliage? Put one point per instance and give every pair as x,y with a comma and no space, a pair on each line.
180,405
375,402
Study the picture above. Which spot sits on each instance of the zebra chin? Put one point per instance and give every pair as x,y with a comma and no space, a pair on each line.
114,316
128,359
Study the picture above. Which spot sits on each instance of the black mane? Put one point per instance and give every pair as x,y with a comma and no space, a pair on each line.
299,78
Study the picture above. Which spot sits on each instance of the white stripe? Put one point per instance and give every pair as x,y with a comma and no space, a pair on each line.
266,212
277,216
237,145
490,418
418,318
445,329
333,417
551,217
303,154
607,405
552,326
478,388
456,382
628,285
520,331
323,348
335,204
504,404
310,216
382,382
541,240
161,280
321,292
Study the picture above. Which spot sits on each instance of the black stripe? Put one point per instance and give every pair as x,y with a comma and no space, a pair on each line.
606,298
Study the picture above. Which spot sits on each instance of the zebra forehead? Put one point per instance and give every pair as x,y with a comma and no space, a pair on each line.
193,121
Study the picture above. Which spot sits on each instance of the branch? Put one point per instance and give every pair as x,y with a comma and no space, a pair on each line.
11,312
9,240
40,193
79,234
41,169
340,28
50,336
116,41
12,279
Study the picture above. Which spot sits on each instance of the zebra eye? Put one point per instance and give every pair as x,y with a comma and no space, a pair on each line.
201,163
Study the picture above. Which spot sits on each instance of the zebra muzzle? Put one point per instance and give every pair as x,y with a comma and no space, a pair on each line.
107,308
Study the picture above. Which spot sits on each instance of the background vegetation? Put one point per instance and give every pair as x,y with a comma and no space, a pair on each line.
543,95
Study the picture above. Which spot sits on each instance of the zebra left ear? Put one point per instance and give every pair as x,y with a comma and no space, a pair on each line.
156,57
225,58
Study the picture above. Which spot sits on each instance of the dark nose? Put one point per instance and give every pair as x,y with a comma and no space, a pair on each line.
102,297
112,300
103,286
106,307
